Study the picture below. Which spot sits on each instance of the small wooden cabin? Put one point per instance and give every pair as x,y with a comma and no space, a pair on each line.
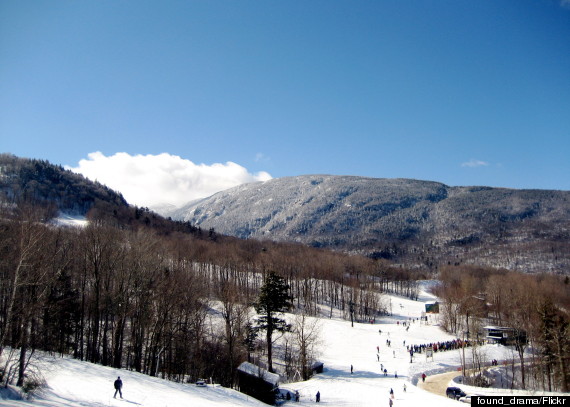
317,367
257,382
504,335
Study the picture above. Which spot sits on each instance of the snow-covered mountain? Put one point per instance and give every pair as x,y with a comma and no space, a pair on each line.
420,223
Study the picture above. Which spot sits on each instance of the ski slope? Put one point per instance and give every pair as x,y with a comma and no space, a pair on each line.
74,383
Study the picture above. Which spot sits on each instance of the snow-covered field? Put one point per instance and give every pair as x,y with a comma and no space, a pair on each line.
74,383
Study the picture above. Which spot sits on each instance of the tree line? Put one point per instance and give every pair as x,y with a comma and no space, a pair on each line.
143,299
534,307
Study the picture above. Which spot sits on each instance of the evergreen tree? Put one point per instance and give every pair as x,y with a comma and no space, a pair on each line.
273,300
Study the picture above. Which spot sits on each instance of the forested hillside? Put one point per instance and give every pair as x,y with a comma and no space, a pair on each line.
136,291
419,224
536,308
55,190
52,186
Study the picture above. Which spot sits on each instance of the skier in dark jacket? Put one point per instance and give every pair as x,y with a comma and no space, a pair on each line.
118,386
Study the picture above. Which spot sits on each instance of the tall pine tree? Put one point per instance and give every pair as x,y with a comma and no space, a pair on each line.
274,299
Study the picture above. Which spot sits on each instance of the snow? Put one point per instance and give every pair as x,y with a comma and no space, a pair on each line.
65,219
254,370
75,383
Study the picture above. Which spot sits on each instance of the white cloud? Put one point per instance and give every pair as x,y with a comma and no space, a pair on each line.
475,163
155,180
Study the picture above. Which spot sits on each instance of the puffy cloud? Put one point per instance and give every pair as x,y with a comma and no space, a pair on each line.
164,179
475,163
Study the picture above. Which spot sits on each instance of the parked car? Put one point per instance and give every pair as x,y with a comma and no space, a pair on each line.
455,393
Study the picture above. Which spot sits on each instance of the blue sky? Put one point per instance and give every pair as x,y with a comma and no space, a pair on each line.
461,92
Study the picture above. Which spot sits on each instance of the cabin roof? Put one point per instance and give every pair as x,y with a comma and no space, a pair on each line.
256,371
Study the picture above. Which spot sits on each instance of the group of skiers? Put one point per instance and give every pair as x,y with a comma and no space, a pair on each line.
439,346
391,399
118,384
295,396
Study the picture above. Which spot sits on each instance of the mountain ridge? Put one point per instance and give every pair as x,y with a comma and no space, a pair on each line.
419,223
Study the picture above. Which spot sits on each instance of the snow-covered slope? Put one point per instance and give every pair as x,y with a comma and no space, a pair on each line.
310,207
401,219
75,383
65,219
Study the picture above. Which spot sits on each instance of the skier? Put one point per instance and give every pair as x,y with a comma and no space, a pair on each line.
392,393
297,396
404,387
318,397
391,403
351,369
118,386
423,377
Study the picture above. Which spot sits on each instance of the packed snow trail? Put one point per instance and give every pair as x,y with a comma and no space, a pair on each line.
344,346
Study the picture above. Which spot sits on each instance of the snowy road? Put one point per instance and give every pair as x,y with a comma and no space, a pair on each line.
437,384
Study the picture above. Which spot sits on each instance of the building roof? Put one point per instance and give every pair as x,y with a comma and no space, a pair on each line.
498,328
254,370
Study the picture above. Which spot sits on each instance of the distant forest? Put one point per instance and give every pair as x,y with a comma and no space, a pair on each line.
535,309
38,181
55,189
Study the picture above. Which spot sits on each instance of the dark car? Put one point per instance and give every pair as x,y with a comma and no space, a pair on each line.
455,393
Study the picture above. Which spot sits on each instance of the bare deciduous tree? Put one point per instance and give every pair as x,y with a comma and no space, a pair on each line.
306,333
